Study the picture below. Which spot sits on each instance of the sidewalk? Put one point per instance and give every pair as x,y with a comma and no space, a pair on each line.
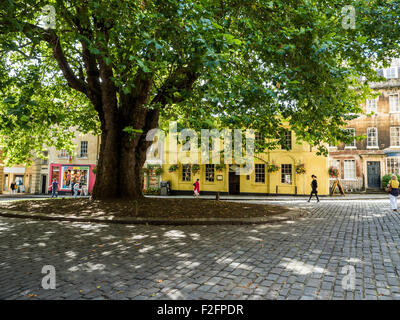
33,196
360,196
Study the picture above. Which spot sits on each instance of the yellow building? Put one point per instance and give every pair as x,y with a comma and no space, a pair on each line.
223,178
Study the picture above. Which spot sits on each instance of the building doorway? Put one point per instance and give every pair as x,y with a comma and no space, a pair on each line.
44,180
5,187
19,180
374,174
234,181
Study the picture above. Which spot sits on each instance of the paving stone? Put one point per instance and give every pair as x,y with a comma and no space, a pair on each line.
301,260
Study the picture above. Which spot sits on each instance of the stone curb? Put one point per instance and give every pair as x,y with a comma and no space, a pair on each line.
290,215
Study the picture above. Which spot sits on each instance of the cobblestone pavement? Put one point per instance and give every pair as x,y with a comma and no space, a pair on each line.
301,259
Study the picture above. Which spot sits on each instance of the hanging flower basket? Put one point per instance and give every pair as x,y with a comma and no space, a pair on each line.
272,168
195,168
94,170
300,169
333,172
173,168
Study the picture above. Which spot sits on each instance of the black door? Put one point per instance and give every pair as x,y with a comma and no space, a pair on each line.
234,183
44,179
374,174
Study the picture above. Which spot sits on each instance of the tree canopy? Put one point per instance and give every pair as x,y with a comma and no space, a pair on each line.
124,67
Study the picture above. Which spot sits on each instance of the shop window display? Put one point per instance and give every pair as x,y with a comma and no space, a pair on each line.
74,174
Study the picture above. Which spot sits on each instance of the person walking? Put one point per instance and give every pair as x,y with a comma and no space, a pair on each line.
13,187
314,188
393,188
54,188
83,190
196,191
76,188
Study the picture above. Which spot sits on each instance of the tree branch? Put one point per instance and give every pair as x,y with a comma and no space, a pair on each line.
54,41
180,81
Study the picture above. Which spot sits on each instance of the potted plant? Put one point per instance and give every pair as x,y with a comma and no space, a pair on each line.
300,169
195,168
152,191
272,168
94,170
219,167
333,172
158,171
173,168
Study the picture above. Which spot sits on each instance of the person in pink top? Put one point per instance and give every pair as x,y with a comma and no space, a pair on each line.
196,189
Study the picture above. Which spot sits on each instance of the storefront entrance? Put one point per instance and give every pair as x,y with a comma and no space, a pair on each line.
234,181
5,187
44,180
374,174
19,180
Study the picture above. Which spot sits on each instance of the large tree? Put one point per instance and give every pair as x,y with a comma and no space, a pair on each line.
253,64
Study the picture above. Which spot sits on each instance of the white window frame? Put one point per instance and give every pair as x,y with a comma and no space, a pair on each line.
376,146
392,145
346,170
395,163
372,106
63,154
346,146
85,155
388,73
391,107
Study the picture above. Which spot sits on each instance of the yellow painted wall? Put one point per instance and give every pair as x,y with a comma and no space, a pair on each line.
299,154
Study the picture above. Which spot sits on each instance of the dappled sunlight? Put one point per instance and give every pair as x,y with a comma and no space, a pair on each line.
5,227
89,226
173,261
139,237
175,295
378,215
146,248
87,267
301,268
71,254
194,236
354,260
183,255
254,238
175,234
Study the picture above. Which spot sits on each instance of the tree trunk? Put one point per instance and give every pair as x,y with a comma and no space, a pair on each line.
119,168
122,156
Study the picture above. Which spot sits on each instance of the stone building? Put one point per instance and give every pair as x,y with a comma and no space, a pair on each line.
363,163
58,164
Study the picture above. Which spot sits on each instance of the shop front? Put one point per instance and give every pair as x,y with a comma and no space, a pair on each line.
67,175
